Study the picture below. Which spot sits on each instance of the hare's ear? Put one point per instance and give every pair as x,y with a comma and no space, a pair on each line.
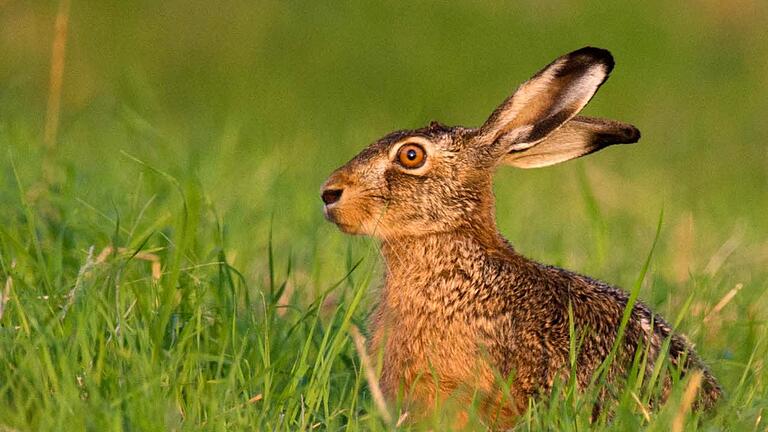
546,101
578,137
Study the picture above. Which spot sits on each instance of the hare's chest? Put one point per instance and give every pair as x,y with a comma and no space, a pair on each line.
429,357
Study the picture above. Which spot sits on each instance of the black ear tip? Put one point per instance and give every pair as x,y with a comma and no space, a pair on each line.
595,55
630,134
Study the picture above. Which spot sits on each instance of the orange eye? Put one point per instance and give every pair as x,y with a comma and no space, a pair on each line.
411,156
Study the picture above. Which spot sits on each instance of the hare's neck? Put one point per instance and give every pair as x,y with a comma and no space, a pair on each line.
437,270
437,248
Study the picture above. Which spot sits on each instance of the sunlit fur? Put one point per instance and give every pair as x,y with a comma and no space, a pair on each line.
460,307
386,200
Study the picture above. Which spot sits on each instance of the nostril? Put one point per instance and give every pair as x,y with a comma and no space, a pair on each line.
330,196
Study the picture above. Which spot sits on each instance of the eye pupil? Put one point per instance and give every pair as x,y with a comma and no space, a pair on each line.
411,156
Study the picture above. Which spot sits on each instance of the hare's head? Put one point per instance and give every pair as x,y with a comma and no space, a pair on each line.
438,178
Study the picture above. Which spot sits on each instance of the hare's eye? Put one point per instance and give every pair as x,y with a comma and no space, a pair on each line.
411,156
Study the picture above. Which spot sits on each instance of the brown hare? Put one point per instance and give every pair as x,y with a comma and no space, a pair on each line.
460,307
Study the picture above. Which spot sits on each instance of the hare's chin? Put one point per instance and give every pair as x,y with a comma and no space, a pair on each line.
347,228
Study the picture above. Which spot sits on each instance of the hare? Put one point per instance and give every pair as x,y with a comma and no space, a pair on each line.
460,307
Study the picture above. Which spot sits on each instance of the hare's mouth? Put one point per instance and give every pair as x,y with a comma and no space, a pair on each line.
332,214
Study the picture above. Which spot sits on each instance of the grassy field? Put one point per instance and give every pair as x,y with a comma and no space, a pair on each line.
164,263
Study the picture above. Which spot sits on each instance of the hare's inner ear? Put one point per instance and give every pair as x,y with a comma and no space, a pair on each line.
546,101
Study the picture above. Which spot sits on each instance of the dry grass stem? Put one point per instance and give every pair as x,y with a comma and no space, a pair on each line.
643,408
689,396
154,260
57,74
285,299
723,302
401,419
6,294
370,376
682,261
729,247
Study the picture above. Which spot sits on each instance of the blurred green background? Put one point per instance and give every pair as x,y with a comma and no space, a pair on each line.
260,101
251,105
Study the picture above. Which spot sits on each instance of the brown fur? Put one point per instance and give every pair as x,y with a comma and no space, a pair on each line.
460,307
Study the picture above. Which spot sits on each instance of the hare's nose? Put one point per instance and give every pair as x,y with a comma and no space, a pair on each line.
330,196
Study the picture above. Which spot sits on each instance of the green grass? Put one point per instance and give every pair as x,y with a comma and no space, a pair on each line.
197,136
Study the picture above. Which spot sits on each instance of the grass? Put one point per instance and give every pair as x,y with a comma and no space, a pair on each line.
164,264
